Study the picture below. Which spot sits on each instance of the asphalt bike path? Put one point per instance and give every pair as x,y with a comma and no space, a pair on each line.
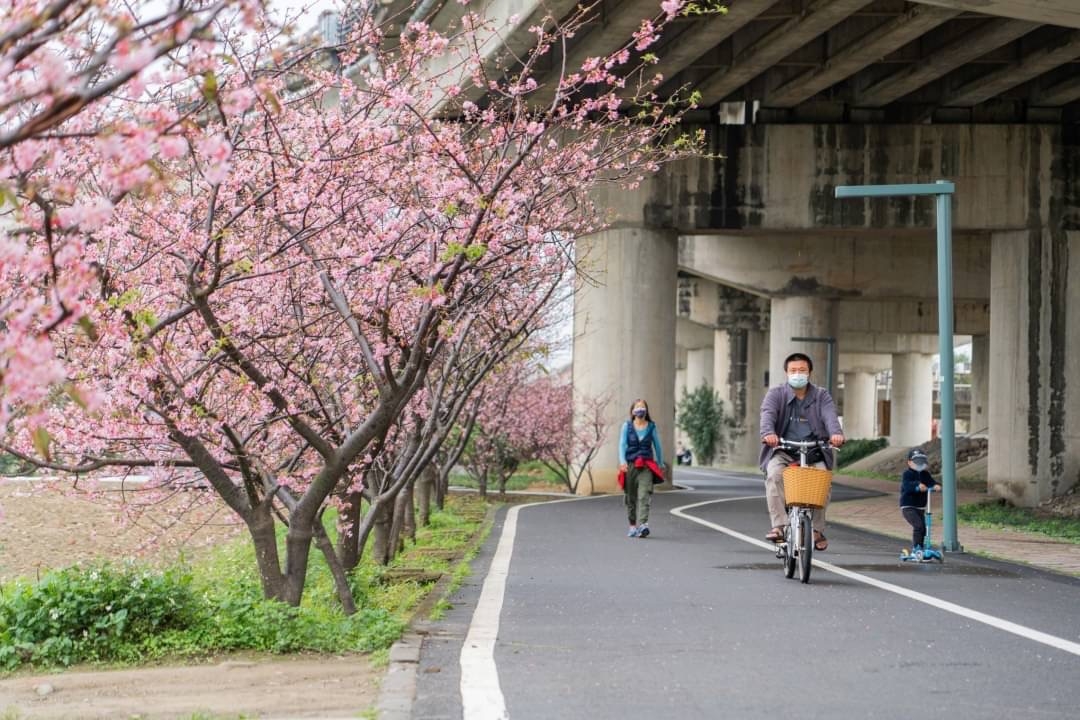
566,617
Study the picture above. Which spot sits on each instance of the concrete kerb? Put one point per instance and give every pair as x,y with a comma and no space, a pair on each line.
398,688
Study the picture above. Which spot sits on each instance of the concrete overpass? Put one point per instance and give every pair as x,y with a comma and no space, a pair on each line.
800,96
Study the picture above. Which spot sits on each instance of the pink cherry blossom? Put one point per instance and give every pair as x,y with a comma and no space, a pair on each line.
302,302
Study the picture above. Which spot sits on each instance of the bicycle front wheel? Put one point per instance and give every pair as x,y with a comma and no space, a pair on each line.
789,552
806,549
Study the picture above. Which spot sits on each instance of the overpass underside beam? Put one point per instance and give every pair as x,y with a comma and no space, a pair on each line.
865,50
776,45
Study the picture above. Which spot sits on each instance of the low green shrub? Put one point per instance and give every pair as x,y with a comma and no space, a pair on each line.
854,450
90,613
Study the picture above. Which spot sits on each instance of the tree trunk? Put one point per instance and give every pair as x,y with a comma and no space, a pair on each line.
297,552
341,580
425,484
402,507
261,526
481,481
349,531
442,487
380,529
408,528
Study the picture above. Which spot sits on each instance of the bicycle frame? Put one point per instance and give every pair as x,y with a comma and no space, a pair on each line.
798,544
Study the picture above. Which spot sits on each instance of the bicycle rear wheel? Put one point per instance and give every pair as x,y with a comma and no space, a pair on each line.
806,549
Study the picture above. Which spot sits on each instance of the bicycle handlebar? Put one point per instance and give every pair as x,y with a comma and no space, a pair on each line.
804,444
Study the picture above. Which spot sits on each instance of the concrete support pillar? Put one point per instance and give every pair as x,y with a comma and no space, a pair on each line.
801,317
1034,358
680,387
624,336
699,368
980,383
741,362
860,404
912,399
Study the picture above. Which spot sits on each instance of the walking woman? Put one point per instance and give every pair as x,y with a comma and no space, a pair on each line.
641,462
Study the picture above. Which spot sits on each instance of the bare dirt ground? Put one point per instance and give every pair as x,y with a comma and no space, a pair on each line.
41,530
46,526
255,687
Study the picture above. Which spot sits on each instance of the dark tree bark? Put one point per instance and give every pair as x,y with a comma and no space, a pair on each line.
337,570
426,484
349,531
383,512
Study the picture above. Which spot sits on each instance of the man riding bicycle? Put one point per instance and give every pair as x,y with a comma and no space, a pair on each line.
796,410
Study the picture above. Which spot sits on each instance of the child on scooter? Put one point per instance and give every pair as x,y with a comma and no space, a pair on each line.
914,485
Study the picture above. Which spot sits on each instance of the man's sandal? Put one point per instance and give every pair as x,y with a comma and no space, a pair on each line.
821,543
776,534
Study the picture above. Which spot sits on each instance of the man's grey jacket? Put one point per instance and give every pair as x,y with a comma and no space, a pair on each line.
820,411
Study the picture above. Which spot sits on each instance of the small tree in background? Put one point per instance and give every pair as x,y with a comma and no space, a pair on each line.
701,416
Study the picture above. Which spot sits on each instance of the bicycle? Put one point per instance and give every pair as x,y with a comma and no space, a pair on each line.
806,488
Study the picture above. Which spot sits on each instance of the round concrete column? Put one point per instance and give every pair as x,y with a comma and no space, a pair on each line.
980,383
624,336
801,317
860,404
912,407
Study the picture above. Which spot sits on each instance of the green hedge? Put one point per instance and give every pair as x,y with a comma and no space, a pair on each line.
854,450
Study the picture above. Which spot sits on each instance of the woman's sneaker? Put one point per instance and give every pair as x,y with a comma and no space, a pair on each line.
632,532
643,530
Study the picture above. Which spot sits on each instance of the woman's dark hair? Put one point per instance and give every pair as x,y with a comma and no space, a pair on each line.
799,356
640,400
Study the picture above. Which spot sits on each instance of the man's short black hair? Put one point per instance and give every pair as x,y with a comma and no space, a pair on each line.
799,356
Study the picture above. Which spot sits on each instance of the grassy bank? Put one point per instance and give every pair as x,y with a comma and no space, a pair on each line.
1000,514
132,613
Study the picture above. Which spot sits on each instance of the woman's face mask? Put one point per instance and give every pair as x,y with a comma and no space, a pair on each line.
639,412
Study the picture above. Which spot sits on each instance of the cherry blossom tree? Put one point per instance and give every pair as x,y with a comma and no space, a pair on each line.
499,441
270,309
500,336
87,109
544,410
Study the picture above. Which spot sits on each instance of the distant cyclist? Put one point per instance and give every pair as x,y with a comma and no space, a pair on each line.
796,410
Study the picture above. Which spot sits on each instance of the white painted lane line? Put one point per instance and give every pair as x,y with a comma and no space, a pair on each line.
481,694
965,612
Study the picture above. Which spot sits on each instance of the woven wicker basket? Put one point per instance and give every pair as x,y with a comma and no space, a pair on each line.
806,486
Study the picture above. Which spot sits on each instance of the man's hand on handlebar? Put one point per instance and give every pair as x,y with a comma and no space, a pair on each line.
771,440
836,440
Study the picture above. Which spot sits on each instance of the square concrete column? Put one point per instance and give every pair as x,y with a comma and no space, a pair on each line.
699,368
860,404
912,407
1034,397
980,383
624,335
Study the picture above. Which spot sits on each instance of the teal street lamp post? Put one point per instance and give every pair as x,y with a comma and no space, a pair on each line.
943,191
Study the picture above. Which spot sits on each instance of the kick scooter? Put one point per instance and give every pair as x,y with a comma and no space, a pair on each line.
927,553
